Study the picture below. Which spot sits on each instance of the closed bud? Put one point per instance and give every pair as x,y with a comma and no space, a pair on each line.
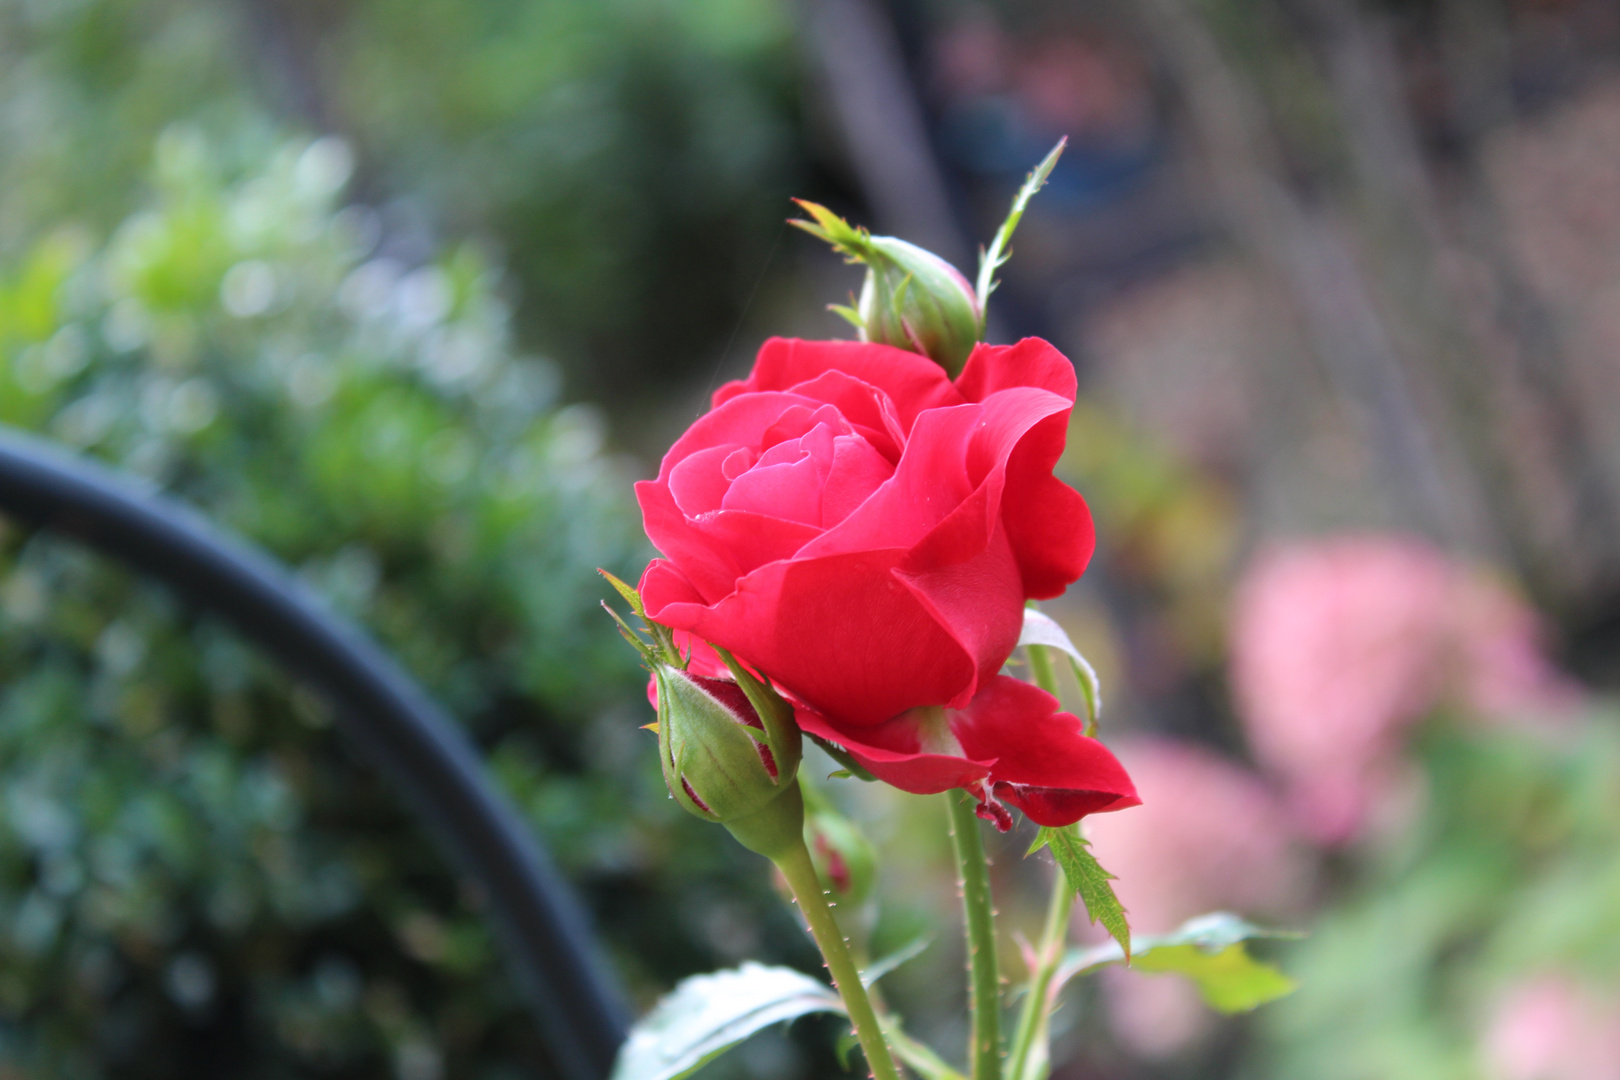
729,748
911,299
726,763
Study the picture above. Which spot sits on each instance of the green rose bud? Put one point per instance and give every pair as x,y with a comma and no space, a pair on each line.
911,299
729,748
717,759
730,754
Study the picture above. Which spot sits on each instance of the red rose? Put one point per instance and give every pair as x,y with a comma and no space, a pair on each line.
864,530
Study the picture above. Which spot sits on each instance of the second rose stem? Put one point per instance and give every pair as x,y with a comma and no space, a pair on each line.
984,973
800,873
1031,1032
1032,1021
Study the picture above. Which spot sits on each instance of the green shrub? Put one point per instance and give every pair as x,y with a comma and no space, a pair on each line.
196,878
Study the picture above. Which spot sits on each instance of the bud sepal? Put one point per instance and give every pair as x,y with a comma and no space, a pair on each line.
911,298
729,749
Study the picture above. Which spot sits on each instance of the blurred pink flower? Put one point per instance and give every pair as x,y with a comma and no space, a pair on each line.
1339,645
1552,1028
1504,674
1335,647
1156,1016
1208,836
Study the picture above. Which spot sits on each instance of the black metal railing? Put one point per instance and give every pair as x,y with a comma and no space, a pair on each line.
430,761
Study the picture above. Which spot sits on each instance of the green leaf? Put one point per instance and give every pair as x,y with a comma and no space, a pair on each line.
1210,951
847,1042
1042,631
990,261
849,315
1087,877
850,241
662,649
706,1015
882,967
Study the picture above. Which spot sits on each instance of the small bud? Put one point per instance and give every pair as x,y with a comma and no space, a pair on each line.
729,748
845,860
911,299
723,762
717,761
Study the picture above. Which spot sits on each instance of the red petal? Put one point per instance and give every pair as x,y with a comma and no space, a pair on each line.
844,634
1048,522
913,382
892,752
1045,765
857,471
742,422
964,573
1031,362
787,480
930,482
1010,737
715,549
863,405
698,482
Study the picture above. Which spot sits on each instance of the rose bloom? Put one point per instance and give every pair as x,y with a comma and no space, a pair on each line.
864,530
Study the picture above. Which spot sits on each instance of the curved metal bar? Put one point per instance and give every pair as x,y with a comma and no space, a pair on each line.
397,726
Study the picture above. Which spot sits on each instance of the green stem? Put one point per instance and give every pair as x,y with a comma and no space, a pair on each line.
985,978
1032,1021
800,873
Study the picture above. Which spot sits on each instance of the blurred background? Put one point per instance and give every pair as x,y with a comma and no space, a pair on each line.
410,292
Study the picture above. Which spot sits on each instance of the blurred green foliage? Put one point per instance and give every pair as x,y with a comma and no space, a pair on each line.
1511,872
632,159
194,876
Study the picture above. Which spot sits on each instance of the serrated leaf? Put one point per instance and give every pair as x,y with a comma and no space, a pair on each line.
1086,877
1042,631
1210,951
706,1015
882,967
